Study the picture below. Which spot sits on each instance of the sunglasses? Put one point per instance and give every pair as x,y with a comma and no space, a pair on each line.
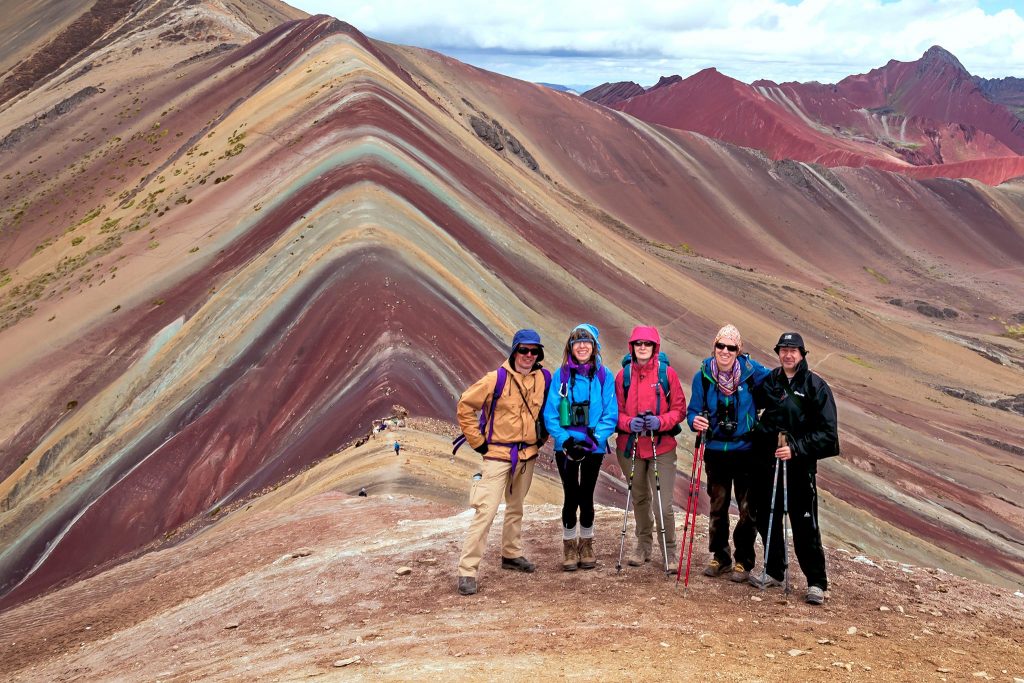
526,351
643,343
730,347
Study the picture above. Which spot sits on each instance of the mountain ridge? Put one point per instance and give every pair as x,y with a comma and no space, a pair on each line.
218,275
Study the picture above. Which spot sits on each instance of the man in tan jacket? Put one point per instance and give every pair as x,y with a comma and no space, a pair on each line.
509,402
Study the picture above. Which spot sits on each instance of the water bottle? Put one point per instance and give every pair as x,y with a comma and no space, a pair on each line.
563,411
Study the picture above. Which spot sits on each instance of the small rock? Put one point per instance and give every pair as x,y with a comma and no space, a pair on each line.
883,608
302,552
787,637
663,644
231,624
983,674
755,598
796,653
824,641
851,631
769,655
843,665
346,662
428,560
866,667
944,670
899,608
403,571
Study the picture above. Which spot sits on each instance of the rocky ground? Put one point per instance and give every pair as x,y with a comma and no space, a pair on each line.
305,583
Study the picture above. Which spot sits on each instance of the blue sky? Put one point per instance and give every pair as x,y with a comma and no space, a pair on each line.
583,43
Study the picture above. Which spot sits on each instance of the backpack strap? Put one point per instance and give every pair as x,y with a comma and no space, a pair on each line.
488,416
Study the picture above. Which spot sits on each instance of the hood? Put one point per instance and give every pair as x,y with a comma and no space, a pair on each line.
648,333
525,337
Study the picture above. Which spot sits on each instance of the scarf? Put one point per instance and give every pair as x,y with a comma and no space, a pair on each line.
580,368
727,381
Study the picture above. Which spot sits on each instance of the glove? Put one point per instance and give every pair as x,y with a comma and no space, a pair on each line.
482,448
568,444
577,451
652,423
636,425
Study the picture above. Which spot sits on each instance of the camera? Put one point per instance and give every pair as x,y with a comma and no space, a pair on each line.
726,420
579,414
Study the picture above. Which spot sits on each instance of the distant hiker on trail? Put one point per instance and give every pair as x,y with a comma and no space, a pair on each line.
397,447
580,415
651,405
798,405
508,434
724,388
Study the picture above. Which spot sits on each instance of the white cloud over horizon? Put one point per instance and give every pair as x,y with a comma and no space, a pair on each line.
581,43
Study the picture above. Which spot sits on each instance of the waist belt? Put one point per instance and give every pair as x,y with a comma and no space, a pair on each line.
513,451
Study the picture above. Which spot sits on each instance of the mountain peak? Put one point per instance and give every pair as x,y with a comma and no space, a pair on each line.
937,53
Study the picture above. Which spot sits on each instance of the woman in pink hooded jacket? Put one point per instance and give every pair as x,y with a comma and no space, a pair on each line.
651,406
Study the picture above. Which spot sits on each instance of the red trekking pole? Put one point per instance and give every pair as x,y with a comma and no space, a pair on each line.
692,498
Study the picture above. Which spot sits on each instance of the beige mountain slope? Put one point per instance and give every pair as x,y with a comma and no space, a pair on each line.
303,582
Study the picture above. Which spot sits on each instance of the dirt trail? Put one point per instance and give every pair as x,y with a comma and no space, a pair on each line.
287,592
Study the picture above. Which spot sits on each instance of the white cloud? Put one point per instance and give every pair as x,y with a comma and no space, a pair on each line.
580,42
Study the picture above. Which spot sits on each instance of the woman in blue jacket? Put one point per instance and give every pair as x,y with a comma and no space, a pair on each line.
580,414
723,387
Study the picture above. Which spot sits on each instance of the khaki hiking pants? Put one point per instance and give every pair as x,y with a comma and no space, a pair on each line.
645,507
484,497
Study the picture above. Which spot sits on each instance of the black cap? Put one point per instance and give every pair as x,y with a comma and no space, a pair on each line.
791,340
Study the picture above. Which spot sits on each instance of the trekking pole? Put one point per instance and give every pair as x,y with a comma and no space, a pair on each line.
785,514
625,512
693,527
771,521
661,508
689,502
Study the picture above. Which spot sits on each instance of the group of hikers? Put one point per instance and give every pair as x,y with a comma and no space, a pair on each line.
748,420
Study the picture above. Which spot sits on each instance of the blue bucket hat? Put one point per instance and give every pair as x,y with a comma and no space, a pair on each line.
526,337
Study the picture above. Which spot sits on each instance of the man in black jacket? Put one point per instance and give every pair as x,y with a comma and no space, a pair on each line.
798,404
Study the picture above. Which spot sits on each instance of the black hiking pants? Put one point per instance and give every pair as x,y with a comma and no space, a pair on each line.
803,519
579,479
727,471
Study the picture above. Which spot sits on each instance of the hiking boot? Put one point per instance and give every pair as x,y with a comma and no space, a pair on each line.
739,573
716,568
572,555
587,558
815,595
768,581
518,564
467,585
638,555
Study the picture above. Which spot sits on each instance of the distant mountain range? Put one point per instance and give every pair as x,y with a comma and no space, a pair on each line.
925,118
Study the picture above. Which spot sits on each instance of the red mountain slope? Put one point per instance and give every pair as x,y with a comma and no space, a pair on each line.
889,119
935,87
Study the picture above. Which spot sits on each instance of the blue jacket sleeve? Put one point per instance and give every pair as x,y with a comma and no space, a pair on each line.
696,398
551,423
760,372
609,409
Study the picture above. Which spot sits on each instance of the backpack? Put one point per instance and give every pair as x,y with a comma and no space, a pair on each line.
488,417
666,389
